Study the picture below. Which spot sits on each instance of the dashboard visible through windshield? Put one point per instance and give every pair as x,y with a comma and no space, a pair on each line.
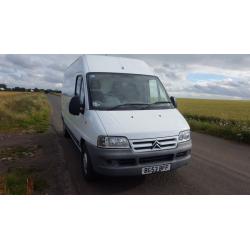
113,91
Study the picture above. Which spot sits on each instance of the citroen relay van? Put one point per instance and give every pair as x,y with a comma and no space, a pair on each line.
121,118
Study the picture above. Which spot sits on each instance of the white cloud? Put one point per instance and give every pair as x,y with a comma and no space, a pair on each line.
58,85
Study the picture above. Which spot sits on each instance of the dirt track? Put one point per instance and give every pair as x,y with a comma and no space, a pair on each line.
218,167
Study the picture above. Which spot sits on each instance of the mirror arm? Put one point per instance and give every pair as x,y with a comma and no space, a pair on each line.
82,108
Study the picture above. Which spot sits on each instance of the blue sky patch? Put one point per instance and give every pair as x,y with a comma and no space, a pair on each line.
195,77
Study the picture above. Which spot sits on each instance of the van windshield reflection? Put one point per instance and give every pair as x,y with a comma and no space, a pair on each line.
112,91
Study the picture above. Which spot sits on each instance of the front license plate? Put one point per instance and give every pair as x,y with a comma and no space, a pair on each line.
156,169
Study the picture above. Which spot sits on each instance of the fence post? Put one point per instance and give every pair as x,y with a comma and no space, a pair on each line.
30,185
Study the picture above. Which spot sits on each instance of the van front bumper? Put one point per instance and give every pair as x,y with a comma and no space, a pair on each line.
126,162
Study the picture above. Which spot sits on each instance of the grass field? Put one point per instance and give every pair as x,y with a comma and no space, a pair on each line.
23,112
223,118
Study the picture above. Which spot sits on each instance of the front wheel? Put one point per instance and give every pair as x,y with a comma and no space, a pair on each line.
86,165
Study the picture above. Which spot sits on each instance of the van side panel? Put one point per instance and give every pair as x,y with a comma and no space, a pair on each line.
68,87
68,91
86,126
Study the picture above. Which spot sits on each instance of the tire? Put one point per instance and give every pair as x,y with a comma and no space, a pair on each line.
65,131
86,165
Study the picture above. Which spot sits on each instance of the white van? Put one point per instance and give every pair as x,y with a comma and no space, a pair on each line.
121,118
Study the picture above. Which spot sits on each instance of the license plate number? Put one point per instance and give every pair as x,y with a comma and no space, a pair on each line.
156,169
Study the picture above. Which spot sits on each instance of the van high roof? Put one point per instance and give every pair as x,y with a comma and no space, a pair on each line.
112,64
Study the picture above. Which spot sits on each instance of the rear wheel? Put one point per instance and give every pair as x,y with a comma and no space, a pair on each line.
86,165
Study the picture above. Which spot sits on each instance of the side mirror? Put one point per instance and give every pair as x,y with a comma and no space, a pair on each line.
75,105
174,102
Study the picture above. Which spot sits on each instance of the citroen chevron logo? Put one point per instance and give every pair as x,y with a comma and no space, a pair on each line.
156,145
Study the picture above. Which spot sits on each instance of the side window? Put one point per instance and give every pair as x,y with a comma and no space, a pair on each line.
78,85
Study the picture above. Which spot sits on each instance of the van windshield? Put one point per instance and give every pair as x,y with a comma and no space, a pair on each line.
112,91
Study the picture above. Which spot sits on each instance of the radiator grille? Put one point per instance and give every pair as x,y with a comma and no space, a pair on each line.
154,144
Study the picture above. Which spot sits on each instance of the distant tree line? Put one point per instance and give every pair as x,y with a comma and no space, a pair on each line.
3,87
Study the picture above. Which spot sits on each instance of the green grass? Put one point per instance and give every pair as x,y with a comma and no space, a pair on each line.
24,112
16,181
222,118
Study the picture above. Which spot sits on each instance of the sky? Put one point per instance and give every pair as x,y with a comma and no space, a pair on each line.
193,76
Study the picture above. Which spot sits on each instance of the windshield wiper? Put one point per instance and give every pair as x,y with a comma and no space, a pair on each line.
127,105
160,103
155,103
146,105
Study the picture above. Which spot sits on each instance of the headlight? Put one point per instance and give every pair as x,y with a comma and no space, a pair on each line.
184,136
112,142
